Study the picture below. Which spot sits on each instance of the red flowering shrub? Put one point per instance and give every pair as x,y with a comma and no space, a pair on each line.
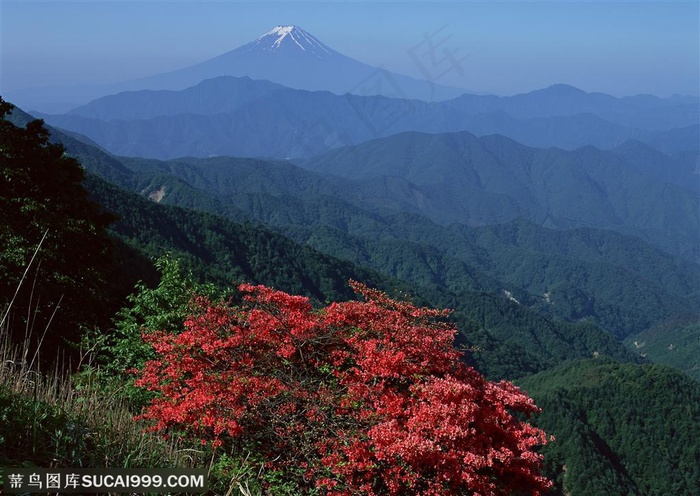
359,397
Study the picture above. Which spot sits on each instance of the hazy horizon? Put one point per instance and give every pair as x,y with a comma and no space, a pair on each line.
502,47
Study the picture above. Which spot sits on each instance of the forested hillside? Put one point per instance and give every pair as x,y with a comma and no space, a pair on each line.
622,283
453,249
226,254
527,299
458,178
620,429
675,343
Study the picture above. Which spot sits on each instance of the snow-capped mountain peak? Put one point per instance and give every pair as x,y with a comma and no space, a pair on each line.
280,31
281,37
286,55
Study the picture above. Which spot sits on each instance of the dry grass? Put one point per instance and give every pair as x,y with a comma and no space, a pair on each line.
58,418
107,426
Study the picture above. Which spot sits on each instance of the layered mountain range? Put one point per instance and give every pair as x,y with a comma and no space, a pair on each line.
631,188
244,117
559,158
374,218
562,226
286,54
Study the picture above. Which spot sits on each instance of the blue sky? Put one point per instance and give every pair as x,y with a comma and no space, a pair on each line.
621,48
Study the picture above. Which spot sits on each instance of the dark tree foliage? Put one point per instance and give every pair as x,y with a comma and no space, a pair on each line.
619,428
621,283
221,252
508,340
41,196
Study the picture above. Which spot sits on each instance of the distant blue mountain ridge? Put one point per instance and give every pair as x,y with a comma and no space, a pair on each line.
245,117
286,54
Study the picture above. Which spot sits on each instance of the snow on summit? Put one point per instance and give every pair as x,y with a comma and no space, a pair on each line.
287,55
283,32
289,36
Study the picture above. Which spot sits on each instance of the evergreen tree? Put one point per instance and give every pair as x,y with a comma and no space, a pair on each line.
55,253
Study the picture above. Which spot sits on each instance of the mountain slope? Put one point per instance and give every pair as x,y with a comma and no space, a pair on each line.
242,117
620,282
229,253
225,252
286,54
469,180
290,56
222,94
571,274
680,170
641,111
619,429
675,343
511,340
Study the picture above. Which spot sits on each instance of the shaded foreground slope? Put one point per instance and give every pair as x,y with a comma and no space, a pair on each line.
620,429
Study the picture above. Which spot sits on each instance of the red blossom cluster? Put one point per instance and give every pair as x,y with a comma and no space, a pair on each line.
365,397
